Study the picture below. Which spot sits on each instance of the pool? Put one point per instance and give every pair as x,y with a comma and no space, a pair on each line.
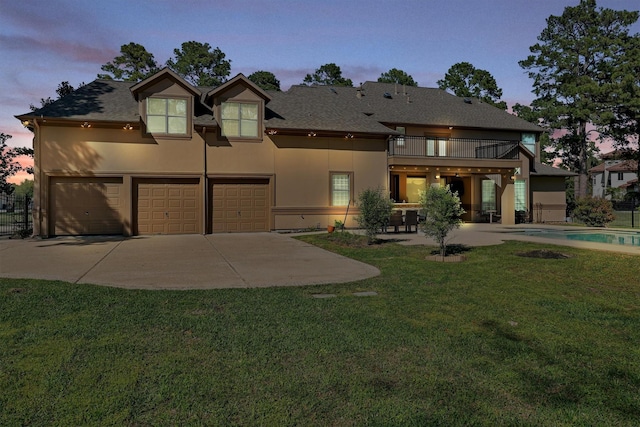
612,237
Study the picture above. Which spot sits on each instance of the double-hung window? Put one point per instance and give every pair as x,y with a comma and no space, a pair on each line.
340,189
240,119
167,116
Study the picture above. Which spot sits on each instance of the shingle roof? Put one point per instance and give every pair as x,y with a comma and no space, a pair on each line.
623,166
540,169
320,108
392,103
307,108
106,100
359,109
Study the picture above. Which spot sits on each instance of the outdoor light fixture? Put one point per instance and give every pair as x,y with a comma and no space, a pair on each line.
26,123
127,127
312,133
349,136
86,125
272,131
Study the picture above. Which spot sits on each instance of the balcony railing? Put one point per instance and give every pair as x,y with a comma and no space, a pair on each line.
457,148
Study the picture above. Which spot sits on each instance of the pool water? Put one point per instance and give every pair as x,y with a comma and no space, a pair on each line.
626,238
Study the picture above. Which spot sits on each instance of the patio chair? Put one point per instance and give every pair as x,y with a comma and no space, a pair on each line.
411,220
395,220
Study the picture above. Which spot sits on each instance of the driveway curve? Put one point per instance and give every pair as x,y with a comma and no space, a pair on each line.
180,262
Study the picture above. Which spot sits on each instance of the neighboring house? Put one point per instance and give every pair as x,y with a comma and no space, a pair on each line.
622,174
163,156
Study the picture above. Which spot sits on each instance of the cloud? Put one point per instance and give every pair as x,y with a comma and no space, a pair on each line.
76,52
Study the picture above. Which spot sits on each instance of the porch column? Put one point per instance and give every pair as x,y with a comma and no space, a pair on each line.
508,204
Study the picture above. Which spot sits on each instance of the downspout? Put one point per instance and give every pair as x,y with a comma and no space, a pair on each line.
204,181
37,180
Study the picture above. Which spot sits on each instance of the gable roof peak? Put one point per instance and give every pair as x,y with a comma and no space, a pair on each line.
238,79
164,73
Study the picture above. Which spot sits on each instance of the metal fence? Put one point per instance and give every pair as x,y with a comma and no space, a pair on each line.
15,215
627,215
457,148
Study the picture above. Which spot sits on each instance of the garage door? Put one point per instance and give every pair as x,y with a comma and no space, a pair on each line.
86,206
170,206
240,206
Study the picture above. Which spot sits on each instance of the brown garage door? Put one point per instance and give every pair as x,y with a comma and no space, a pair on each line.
240,206
167,206
85,206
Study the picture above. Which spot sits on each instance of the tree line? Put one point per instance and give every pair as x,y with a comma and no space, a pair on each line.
585,69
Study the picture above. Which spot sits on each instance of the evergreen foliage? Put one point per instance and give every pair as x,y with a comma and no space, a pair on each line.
442,209
328,75
375,209
265,80
200,65
133,64
397,76
465,80
583,70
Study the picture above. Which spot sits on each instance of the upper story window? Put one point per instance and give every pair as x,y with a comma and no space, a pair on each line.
240,119
167,116
529,141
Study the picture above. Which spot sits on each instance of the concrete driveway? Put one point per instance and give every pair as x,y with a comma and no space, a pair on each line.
179,262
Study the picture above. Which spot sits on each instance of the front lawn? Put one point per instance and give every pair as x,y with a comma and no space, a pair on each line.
499,339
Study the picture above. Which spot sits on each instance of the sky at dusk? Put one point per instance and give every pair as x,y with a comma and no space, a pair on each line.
44,42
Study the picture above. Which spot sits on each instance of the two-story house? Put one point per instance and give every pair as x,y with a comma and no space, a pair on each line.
609,174
162,156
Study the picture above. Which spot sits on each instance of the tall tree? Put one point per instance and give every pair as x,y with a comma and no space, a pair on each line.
64,88
265,80
397,76
329,75
525,112
200,65
134,64
8,164
622,123
465,80
575,67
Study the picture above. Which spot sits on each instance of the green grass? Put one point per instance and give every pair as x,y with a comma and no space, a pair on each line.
499,339
623,219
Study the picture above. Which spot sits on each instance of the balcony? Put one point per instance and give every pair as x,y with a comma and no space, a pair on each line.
453,148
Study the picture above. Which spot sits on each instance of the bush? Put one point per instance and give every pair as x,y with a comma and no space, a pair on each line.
442,210
593,211
375,209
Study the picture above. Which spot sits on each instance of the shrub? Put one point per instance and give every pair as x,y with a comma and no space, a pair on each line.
593,211
442,210
375,209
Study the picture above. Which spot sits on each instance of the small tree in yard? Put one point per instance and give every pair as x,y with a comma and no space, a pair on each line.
375,209
442,210
593,211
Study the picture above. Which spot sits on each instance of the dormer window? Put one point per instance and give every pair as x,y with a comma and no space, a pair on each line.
240,119
167,116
